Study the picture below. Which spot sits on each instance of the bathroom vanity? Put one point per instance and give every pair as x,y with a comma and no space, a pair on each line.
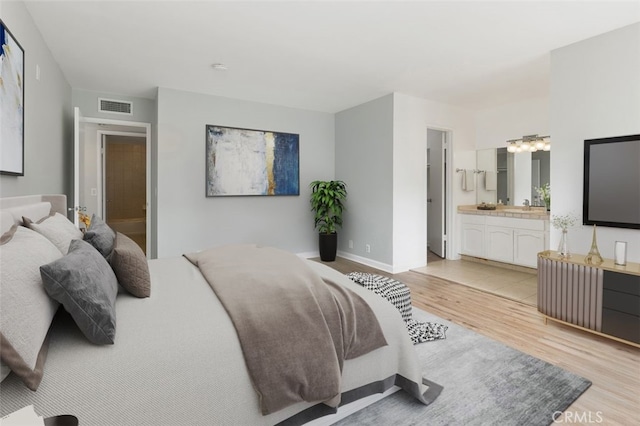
507,234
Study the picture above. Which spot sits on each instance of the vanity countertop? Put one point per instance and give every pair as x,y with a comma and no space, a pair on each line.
507,211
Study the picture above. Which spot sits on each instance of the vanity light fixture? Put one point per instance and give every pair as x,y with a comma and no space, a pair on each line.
529,143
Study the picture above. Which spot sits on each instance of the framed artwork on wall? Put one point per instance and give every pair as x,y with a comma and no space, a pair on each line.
251,162
11,104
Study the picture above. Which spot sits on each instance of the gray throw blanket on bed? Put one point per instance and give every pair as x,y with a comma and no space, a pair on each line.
295,328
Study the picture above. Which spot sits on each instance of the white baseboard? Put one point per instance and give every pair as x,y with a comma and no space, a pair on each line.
369,262
365,261
309,254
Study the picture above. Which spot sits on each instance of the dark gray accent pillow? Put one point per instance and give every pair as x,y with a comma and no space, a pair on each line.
130,266
86,286
101,236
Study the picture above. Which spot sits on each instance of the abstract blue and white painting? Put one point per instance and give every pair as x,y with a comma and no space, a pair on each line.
11,104
251,162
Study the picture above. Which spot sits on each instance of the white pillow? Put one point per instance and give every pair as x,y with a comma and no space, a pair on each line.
26,311
57,229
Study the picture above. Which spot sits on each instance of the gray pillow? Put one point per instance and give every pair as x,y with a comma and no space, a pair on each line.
130,266
26,311
100,235
84,283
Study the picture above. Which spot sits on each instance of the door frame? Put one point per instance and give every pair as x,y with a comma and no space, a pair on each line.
447,228
77,119
101,162
105,121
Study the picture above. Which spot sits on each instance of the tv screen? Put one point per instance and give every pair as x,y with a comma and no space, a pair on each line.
612,182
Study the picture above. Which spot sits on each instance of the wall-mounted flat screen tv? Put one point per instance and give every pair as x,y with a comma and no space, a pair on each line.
612,182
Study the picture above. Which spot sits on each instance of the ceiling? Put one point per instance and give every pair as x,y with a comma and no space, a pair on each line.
323,56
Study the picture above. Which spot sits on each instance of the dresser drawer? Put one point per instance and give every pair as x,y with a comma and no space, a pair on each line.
621,302
621,325
624,283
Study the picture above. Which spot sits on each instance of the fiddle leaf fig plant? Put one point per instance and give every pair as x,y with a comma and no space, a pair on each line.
327,202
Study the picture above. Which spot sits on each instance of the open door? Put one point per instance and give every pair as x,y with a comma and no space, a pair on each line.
77,147
436,142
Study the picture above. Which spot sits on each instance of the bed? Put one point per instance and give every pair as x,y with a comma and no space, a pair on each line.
176,357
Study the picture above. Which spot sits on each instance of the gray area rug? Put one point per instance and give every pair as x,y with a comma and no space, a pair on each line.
485,383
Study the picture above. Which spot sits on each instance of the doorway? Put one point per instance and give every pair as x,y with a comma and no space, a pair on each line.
89,172
124,172
437,146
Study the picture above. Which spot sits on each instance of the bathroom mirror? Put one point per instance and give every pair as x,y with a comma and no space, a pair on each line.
540,174
516,176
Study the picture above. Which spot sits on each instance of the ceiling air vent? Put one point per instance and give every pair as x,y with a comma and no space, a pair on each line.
114,106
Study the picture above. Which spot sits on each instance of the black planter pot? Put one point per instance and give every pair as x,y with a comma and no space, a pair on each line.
328,246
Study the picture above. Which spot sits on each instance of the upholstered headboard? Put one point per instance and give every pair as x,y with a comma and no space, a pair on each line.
35,207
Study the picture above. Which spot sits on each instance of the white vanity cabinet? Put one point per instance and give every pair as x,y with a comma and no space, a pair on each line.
503,239
472,228
499,243
526,246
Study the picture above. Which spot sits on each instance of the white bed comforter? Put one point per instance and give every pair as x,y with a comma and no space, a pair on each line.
177,360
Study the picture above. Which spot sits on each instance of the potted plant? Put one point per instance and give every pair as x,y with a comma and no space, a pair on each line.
327,202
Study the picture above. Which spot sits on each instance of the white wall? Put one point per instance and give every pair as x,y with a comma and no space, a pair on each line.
188,221
381,150
494,126
48,148
364,151
412,116
595,93
486,159
87,100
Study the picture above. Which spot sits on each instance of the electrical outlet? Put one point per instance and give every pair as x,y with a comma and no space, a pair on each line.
350,243
367,248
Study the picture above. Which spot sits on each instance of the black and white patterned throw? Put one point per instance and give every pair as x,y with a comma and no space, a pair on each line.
399,295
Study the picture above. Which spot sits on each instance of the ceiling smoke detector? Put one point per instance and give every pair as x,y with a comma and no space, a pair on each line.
219,67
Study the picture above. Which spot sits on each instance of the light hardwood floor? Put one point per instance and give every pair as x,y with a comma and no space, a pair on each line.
520,285
613,367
